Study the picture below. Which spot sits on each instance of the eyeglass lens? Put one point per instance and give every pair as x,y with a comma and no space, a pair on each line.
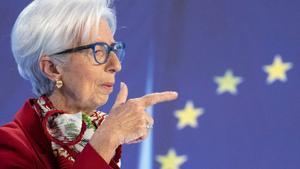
102,51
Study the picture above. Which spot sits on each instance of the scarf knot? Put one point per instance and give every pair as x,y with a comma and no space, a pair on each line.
68,133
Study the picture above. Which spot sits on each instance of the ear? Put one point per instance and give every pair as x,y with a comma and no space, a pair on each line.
48,67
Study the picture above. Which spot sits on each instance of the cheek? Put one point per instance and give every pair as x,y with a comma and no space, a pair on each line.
87,85
83,85
77,82
89,90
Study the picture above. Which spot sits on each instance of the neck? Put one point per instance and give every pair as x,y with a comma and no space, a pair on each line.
62,102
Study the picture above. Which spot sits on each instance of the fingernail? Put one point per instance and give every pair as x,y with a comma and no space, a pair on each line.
121,84
175,93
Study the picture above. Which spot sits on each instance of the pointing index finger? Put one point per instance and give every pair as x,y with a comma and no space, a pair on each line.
154,98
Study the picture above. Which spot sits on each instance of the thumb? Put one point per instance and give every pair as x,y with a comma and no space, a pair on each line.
122,95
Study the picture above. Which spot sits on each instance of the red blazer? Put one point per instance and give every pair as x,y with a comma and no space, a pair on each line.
23,145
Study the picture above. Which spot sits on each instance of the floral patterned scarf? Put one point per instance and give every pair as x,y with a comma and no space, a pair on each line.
68,133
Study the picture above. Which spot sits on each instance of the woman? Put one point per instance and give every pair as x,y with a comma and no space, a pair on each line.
67,51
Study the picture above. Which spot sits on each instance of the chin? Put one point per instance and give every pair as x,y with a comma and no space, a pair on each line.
102,100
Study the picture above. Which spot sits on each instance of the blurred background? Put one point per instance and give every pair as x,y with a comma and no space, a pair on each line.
235,64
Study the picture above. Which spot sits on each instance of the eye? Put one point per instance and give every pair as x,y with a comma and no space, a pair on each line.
98,51
100,55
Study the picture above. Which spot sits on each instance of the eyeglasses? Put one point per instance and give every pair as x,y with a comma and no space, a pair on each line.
101,51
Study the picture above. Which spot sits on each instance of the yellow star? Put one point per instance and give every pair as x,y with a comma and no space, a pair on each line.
227,83
277,70
188,115
171,160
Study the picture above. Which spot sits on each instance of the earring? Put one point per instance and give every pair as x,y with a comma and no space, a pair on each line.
59,84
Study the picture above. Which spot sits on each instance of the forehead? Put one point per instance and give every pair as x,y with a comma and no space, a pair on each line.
100,33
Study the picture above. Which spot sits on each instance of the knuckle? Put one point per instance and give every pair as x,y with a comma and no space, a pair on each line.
140,132
143,131
141,125
132,102
151,121
149,118
143,118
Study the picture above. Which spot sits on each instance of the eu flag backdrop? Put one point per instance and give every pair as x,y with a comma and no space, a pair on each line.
235,64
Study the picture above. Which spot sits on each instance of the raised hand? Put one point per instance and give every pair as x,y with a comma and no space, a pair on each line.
129,119
128,122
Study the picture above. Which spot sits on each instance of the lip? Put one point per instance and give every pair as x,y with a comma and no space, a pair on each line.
108,86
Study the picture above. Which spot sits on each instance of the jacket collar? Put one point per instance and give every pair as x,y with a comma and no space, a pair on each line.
29,121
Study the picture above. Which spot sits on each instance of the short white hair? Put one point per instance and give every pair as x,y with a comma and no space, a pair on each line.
45,27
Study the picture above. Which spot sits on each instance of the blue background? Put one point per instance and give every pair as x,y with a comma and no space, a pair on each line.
182,45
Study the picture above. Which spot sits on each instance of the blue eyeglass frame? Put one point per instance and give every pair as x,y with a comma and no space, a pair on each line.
118,48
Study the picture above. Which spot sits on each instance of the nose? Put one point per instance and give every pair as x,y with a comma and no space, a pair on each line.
113,64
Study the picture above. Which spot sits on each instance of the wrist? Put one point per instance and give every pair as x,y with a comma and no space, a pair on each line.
105,144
